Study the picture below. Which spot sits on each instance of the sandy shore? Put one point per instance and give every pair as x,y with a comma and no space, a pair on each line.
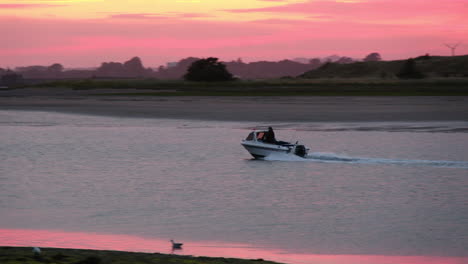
281,109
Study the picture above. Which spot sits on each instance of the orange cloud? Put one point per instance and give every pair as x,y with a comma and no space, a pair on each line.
139,16
172,15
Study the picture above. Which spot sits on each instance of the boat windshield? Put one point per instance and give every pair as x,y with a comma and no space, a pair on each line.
250,137
260,135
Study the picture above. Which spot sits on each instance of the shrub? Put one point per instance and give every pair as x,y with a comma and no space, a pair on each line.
409,71
208,70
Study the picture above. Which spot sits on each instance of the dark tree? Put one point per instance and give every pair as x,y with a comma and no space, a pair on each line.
134,68
54,71
208,70
110,69
409,71
55,68
134,65
373,57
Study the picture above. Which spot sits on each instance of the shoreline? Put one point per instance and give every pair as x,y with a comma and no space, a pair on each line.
242,108
74,255
91,256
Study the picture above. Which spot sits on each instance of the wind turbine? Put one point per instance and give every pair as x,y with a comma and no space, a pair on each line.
453,47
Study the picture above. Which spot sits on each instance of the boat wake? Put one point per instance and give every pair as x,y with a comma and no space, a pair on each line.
336,158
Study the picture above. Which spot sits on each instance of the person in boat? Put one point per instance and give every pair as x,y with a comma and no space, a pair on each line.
270,136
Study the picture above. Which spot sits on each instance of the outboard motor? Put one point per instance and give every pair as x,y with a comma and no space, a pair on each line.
300,150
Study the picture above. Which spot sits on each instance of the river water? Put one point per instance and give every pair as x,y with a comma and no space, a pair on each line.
381,192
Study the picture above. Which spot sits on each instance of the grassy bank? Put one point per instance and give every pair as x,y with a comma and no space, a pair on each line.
20,255
294,87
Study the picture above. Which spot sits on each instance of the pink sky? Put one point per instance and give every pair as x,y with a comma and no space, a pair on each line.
84,33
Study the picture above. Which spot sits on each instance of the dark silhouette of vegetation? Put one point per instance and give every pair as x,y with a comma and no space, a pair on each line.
19,255
425,57
330,67
39,72
277,87
315,63
11,78
373,57
90,260
268,69
59,257
431,66
55,68
243,70
409,71
177,70
208,70
129,69
345,60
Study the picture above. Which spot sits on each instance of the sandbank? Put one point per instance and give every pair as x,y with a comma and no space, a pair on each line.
241,108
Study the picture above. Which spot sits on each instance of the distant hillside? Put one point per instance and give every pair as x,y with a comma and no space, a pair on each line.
134,68
268,69
340,67
430,66
241,70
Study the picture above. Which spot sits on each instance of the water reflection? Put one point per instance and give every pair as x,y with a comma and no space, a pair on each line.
78,240
365,193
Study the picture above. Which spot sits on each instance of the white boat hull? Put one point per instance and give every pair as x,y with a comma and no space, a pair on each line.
262,150
259,145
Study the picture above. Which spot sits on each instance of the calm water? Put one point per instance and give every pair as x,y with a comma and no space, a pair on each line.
389,189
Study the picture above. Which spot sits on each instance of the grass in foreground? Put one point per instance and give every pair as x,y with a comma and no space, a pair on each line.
20,255
296,87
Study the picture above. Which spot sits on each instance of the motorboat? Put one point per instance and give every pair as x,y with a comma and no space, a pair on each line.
261,144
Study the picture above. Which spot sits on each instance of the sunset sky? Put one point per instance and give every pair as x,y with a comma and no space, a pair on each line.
84,33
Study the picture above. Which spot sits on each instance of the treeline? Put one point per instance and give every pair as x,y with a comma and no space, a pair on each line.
413,68
372,66
134,68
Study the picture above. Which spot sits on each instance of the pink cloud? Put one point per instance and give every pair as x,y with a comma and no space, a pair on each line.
378,10
279,21
22,6
156,41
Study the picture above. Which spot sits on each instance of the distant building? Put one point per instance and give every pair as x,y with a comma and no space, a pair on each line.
172,64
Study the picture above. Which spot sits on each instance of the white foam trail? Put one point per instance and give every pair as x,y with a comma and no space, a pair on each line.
332,157
336,158
284,157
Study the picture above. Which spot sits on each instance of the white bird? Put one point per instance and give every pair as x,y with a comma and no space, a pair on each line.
36,251
176,245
